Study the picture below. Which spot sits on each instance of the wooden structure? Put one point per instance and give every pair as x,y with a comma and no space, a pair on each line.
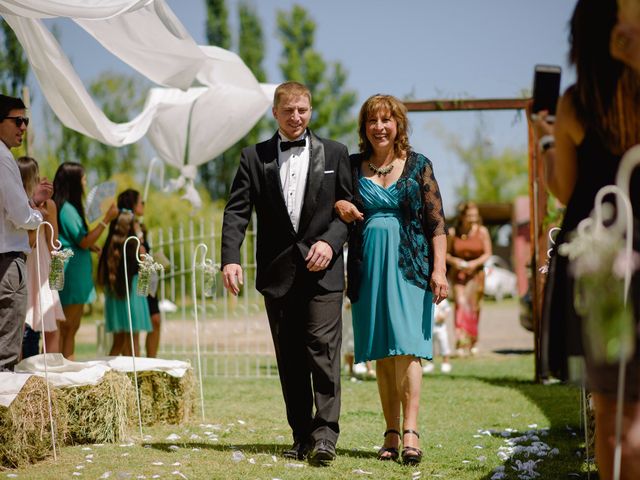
537,194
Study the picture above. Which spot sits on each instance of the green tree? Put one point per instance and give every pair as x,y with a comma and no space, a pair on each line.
251,50
217,28
217,174
14,66
491,176
214,173
332,102
120,97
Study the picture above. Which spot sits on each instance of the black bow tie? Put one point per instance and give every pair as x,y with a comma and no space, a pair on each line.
284,146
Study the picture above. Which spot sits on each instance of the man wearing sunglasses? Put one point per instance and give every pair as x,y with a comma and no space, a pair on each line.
16,217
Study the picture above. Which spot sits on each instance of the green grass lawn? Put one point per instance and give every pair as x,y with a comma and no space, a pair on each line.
247,415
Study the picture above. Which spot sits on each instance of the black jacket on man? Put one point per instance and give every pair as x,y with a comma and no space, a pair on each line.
280,249
304,308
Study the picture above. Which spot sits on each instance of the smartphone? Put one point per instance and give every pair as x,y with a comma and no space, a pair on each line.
546,89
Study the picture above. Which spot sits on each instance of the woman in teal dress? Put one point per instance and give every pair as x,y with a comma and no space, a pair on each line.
111,278
396,265
68,191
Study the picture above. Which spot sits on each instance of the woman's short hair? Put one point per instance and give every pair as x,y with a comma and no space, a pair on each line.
389,104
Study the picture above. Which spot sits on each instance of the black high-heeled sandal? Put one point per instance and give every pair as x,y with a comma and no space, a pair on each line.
392,452
411,455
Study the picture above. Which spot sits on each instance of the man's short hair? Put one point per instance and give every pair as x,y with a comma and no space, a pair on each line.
8,103
288,89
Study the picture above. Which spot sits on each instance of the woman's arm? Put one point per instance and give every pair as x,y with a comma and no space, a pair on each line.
92,237
52,218
32,238
560,163
347,211
439,284
487,249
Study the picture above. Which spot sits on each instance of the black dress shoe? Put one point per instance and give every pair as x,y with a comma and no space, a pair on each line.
298,451
323,453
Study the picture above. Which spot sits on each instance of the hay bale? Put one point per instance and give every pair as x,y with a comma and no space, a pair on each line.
165,398
25,428
102,413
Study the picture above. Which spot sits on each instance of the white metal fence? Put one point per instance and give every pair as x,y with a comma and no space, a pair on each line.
234,332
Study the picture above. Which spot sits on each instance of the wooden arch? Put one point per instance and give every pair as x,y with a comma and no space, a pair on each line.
537,195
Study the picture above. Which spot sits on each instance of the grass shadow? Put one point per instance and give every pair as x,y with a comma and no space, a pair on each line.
251,448
560,404
515,351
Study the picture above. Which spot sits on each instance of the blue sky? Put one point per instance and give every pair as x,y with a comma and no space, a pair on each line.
424,48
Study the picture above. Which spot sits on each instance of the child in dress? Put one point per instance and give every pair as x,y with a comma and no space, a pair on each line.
441,336
111,278
40,294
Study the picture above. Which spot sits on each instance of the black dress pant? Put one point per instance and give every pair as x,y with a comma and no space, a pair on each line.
306,326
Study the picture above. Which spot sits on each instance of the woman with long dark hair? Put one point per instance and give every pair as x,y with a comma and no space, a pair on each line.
111,277
598,119
73,232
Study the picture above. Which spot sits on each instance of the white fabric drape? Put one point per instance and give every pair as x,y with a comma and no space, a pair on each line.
66,373
152,41
10,386
70,8
215,99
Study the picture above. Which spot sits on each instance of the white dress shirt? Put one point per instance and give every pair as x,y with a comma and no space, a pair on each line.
16,216
294,169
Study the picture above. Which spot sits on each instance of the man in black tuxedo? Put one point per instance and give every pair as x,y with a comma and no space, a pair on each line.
293,181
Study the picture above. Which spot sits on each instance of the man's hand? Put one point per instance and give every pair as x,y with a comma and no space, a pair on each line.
232,278
43,192
347,211
319,256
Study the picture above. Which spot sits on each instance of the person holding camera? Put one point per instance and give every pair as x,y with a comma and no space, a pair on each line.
597,120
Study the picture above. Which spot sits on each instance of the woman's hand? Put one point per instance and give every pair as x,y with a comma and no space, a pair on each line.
348,212
111,213
439,286
541,125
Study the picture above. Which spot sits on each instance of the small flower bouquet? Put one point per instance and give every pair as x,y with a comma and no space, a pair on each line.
209,270
598,262
147,269
56,268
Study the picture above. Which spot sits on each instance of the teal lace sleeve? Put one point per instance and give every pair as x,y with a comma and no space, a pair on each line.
422,219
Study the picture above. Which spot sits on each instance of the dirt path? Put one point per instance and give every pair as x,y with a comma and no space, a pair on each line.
499,330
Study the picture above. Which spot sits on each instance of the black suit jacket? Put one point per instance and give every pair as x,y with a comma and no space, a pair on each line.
280,249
